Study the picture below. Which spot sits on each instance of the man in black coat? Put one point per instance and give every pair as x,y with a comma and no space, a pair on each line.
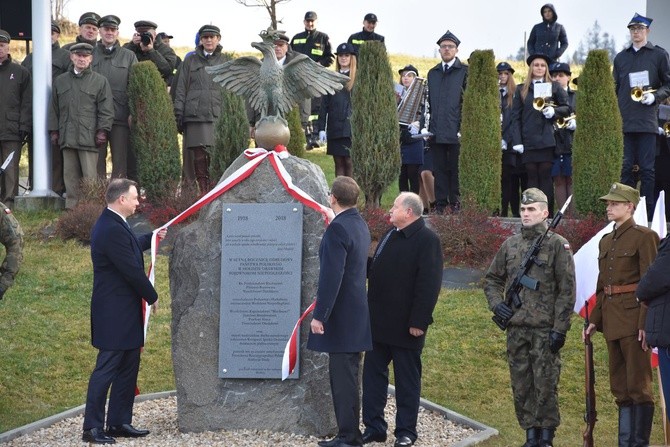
368,32
404,281
117,329
446,83
646,66
548,37
341,322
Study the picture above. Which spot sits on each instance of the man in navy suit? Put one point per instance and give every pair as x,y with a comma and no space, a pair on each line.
119,284
341,321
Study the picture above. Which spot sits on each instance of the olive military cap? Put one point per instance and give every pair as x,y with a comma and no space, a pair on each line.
532,195
109,21
89,18
81,48
622,193
4,36
145,25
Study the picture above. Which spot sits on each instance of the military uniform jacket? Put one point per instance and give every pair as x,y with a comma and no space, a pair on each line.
531,128
81,104
197,97
115,65
315,45
161,55
445,98
60,61
636,116
624,256
565,136
341,303
16,100
654,291
404,282
11,236
552,305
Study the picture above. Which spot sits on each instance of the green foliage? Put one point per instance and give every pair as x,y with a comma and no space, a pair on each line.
480,161
154,132
375,144
232,134
296,145
598,145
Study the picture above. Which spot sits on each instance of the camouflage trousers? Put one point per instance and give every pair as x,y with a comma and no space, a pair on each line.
534,372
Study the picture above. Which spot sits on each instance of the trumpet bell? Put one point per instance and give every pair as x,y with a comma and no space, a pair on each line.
637,93
540,104
562,122
666,129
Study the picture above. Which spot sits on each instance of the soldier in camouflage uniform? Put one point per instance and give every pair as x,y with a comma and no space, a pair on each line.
537,329
11,236
624,256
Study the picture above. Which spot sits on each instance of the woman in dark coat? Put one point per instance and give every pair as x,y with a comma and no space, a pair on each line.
335,115
533,130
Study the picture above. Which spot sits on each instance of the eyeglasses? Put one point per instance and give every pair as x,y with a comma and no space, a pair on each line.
637,29
447,47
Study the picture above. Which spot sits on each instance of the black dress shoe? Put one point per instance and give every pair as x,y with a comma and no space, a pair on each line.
403,441
126,431
97,436
331,443
369,437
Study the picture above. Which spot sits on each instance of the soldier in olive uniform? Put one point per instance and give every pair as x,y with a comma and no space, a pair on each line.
537,329
624,256
11,236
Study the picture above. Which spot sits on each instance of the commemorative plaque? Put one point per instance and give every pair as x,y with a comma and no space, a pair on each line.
261,258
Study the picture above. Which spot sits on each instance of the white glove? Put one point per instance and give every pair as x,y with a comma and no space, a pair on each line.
572,124
414,128
661,131
458,135
518,148
322,136
648,99
548,112
503,145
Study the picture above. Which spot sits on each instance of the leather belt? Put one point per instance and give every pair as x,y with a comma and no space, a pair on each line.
615,290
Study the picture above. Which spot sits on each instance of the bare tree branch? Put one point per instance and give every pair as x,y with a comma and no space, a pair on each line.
269,5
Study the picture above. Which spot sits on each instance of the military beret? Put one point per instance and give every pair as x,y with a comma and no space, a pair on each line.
370,17
410,68
4,36
109,21
89,18
532,57
345,48
81,48
622,193
310,15
560,67
55,28
449,36
640,20
145,24
504,66
532,195
209,29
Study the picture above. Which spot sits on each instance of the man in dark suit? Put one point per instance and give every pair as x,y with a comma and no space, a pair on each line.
119,284
404,281
341,321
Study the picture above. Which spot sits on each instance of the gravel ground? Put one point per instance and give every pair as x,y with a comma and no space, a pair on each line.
160,416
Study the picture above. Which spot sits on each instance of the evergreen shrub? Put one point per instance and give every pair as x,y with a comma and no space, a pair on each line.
232,134
296,145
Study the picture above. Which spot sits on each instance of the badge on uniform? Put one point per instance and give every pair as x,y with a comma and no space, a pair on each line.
8,211
566,246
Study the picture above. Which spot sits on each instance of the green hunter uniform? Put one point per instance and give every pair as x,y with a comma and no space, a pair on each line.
11,236
534,369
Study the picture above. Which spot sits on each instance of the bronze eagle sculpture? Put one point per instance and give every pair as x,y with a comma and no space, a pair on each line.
270,88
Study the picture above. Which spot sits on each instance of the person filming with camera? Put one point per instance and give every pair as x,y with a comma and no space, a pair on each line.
147,48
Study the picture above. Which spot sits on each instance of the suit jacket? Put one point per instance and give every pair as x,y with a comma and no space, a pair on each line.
654,290
404,282
119,284
341,303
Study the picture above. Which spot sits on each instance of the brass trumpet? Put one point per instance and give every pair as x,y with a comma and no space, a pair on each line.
562,122
637,93
540,104
666,129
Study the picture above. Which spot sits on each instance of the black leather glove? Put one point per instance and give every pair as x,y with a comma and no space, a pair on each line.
556,341
180,123
503,311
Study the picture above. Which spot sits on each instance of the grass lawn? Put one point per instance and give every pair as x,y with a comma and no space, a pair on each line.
46,356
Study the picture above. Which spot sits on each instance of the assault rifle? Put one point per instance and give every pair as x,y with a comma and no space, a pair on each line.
590,383
521,279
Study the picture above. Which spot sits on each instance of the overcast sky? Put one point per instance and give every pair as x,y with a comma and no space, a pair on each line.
410,27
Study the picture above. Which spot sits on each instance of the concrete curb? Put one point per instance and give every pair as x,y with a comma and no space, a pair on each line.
484,431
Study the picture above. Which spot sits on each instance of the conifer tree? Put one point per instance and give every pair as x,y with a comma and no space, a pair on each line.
296,145
480,159
232,134
375,151
154,132
597,150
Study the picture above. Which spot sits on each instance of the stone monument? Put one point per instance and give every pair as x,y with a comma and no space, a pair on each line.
205,401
